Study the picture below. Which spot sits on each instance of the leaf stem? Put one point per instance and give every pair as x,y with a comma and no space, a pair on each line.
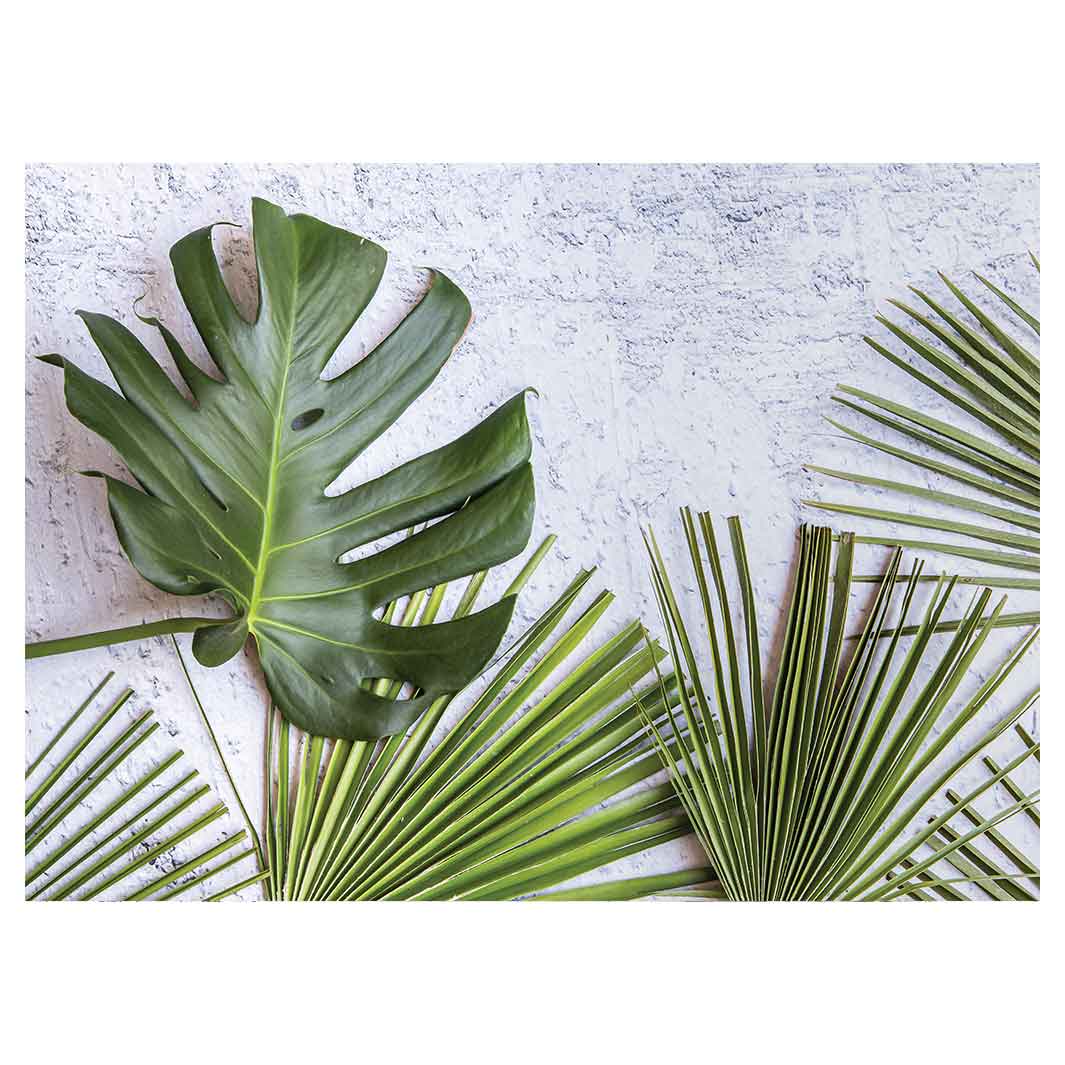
88,640
253,835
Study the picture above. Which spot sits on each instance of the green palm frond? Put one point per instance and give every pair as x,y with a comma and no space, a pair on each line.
812,793
542,776
153,821
989,500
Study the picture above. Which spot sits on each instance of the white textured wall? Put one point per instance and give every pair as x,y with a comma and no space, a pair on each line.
684,326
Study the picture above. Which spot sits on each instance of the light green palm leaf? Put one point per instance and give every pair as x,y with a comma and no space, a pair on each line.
545,775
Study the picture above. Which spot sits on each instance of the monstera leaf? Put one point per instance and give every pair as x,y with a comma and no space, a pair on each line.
234,502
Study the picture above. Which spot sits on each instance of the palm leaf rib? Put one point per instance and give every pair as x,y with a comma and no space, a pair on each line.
981,369
818,793
231,499
81,853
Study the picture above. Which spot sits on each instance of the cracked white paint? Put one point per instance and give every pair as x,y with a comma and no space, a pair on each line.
684,326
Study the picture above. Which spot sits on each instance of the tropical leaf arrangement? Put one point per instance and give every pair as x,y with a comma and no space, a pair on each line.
990,467
811,793
232,500
544,775
407,756
549,770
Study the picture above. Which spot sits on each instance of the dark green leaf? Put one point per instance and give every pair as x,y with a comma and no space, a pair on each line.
233,500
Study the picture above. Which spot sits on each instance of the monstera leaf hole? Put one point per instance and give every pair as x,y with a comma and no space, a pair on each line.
405,691
232,496
306,419
234,249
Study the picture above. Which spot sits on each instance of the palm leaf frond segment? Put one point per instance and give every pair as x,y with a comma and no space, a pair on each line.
982,481
103,850
995,865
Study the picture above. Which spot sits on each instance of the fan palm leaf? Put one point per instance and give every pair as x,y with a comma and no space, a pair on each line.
812,793
544,775
991,471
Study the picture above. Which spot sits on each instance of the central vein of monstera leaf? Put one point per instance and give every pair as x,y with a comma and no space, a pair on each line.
233,498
